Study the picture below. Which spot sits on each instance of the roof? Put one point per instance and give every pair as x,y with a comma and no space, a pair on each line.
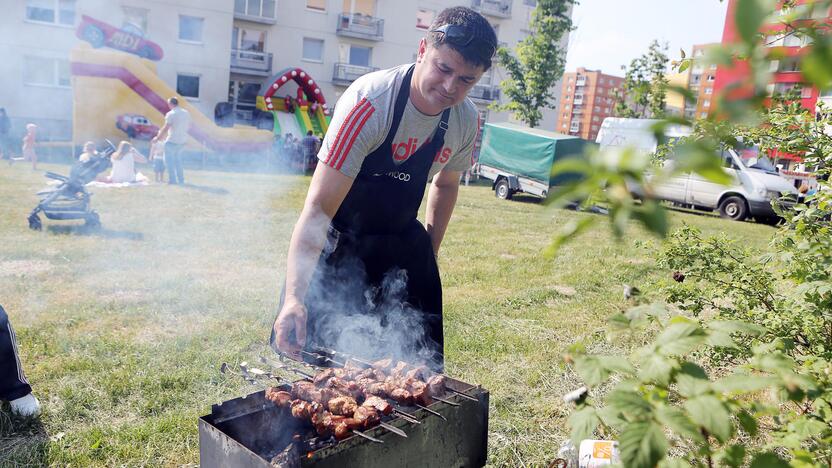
533,131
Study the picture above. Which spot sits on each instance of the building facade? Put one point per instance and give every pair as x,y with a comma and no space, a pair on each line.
699,79
586,99
228,50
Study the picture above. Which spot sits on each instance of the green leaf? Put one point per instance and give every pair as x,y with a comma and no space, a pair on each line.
583,423
708,412
692,380
768,460
596,369
736,326
805,427
743,383
642,444
750,18
732,455
653,216
674,463
816,66
748,423
657,368
629,403
679,422
572,229
680,338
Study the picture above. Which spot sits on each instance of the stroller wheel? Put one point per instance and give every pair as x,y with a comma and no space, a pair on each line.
34,222
93,221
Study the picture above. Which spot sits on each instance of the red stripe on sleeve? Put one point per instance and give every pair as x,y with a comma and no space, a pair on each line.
354,136
339,153
344,125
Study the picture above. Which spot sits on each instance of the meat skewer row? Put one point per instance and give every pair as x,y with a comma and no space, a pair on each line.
346,418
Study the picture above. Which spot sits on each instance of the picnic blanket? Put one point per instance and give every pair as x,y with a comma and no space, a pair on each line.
141,180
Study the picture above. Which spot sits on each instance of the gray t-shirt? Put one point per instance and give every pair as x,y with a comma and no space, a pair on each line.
363,117
180,121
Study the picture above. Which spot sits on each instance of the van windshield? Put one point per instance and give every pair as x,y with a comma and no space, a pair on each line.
753,159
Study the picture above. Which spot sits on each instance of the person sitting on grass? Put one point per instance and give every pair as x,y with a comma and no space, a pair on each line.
124,164
14,387
89,152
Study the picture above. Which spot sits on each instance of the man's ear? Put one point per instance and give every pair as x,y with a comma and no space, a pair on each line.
423,48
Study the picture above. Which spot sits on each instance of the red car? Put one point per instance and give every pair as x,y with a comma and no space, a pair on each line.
136,126
129,39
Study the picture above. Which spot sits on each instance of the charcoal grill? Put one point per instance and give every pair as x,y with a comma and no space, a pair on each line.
250,431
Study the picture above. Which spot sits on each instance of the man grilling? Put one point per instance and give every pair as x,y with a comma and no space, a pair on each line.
391,132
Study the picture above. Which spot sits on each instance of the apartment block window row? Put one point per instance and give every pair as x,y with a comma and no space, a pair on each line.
46,71
60,12
257,8
190,28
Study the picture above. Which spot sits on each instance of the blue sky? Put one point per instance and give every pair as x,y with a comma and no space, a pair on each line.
610,33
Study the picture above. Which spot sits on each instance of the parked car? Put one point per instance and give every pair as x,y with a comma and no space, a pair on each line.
128,39
755,181
136,126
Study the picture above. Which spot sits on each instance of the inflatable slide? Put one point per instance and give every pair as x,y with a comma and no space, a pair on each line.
116,93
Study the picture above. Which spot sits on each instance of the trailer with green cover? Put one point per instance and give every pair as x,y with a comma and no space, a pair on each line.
520,159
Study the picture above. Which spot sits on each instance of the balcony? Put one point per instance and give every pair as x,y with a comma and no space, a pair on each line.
360,26
577,110
256,11
496,8
579,99
484,92
344,74
580,82
251,63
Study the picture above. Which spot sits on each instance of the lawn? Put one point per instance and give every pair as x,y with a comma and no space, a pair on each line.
122,331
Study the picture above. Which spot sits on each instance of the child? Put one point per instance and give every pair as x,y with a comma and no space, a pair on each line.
29,145
89,152
157,155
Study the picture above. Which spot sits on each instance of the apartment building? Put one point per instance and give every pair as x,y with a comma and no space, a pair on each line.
586,99
699,78
229,50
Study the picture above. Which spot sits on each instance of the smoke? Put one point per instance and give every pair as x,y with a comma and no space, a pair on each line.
371,321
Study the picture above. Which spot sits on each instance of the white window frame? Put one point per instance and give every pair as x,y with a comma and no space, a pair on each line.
308,8
201,40
56,72
323,48
260,13
198,86
56,9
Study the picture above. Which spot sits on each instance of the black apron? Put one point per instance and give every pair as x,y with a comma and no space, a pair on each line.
376,291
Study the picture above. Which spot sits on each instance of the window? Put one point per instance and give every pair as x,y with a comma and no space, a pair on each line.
424,18
317,5
364,7
51,11
135,18
187,85
597,108
806,93
249,43
706,103
46,71
790,64
262,8
313,49
703,115
594,128
531,3
709,90
563,125
190,28
360,56
711,77
594,118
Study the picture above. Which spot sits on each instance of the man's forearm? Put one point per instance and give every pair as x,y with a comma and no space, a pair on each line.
308,239
441,202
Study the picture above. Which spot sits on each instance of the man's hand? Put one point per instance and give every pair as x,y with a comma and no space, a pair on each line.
290,327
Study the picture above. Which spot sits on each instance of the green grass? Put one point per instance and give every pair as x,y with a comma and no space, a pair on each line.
122,331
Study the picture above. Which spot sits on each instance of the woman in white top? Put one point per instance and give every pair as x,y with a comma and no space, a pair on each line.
124,163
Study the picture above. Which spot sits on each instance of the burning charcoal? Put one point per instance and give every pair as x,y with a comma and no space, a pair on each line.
278,397
379,404
344,406
288,458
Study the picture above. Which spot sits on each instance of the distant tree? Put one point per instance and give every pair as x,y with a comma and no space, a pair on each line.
645,85
539,62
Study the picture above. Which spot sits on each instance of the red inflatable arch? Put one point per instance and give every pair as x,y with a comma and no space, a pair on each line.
306,85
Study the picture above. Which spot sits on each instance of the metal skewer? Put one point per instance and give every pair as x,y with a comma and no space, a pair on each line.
225,369
430,411
393,429
368,436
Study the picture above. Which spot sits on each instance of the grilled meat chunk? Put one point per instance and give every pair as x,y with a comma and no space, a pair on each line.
305,391
304,409
398,370
278,397
436,384
379,404
366,416
401,396
343,405
420,372
383,364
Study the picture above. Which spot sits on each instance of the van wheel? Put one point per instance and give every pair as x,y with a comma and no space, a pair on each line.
502,191
733,208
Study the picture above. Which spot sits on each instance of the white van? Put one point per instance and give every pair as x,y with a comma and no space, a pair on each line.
755,180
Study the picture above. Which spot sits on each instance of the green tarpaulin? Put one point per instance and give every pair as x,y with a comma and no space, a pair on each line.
527,152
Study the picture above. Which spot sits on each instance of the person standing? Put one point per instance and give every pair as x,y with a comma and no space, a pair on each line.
175,134
392,132
5,129
310,149
14,387
29,140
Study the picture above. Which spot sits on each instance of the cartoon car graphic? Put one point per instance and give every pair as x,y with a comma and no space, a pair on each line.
136,126
128,39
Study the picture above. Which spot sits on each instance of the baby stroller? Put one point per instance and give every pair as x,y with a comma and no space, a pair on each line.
70,199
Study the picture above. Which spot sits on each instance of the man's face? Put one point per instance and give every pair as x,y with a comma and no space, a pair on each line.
442,78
